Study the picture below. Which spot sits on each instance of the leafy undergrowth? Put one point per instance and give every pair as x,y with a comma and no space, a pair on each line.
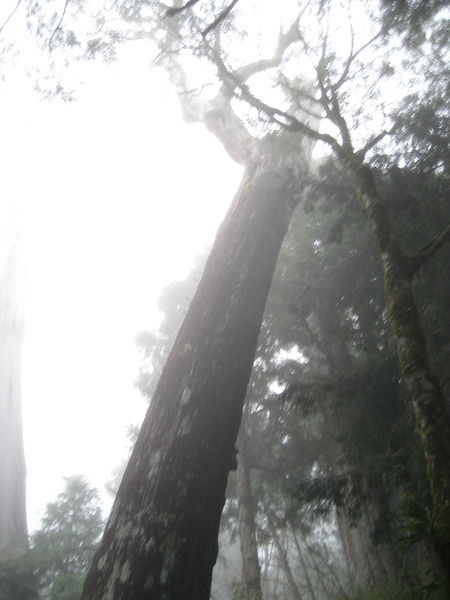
398,590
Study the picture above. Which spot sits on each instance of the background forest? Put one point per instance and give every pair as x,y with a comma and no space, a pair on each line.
331,489
337,488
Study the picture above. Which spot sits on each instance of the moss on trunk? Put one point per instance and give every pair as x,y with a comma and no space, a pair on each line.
432,420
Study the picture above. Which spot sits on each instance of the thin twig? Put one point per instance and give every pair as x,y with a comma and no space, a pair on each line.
10,16
351,58
223,15
58,26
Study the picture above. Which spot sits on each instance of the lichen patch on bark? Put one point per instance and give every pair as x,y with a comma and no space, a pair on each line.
125,572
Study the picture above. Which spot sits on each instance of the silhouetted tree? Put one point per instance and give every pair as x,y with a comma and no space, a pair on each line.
13,521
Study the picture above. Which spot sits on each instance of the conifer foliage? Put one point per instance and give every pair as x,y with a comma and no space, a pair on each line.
63,547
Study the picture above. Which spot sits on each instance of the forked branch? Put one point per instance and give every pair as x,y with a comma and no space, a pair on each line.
171,12
351,58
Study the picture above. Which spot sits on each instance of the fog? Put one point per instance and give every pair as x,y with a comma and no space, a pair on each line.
109,197
114,196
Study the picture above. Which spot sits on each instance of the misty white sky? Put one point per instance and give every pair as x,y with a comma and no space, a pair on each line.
115,195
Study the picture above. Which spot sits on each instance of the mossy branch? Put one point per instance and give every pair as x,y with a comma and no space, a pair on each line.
429,250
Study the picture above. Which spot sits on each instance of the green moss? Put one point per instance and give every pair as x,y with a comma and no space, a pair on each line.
431,420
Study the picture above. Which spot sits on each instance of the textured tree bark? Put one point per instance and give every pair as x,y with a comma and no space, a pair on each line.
432,420
161,538
251,572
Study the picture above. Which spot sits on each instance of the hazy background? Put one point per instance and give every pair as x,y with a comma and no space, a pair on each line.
115,196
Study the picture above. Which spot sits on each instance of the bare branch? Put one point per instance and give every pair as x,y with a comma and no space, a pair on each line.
329,99
287,120
429,250
353,55
174,11
236,87
10,16
324,90
223,15
374,141
339,120
50,43
348,63
330,104
285,40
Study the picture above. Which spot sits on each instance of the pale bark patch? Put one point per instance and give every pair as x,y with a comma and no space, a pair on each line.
125,572
186,396
185,426
102,561
168,564
154,464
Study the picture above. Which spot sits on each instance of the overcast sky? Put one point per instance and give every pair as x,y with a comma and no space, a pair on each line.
115,195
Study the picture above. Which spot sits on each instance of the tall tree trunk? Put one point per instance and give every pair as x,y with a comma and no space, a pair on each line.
251,572
432,420
367,562
161,538
13,521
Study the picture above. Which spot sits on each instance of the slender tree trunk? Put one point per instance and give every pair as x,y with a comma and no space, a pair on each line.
367,562
432,420
272,577
282,557
161,538
305,567
270,573
13,528
251,572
